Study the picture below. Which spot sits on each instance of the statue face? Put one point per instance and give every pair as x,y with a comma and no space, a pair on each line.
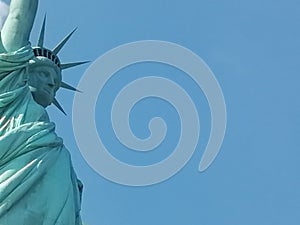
44,81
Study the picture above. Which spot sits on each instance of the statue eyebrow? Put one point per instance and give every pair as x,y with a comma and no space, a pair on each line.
48,73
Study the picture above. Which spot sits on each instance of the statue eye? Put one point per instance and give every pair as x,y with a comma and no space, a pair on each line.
44,74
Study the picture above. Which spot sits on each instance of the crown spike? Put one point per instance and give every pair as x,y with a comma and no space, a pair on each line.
56,103
69,87
62,43
42,34
70,65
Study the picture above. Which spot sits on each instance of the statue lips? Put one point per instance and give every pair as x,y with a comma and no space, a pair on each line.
49,93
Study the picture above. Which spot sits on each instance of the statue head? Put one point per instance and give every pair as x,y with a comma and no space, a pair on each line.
45,72
44,80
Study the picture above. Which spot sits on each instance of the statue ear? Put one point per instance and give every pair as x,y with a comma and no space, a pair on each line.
32,82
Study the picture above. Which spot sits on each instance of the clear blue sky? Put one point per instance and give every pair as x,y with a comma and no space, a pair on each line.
253,48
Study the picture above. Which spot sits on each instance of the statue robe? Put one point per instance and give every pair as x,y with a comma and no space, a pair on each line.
38,185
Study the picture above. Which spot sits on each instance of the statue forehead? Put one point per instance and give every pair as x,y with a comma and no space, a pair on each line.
43,64
47,68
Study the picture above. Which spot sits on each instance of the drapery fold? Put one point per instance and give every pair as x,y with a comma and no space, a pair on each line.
38,185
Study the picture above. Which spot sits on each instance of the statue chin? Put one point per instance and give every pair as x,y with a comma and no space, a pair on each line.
41,98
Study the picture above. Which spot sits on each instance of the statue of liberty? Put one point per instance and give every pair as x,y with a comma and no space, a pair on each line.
38,185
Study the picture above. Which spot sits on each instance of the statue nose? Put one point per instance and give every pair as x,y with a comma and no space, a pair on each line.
51,82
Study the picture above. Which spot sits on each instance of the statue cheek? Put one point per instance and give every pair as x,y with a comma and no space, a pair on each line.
43,79
33,82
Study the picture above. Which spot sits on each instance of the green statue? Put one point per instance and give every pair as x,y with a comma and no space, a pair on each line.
38,185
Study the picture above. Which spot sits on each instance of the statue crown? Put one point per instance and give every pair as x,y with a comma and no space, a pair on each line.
41,51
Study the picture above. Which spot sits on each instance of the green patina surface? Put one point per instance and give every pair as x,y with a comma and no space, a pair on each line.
38,185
